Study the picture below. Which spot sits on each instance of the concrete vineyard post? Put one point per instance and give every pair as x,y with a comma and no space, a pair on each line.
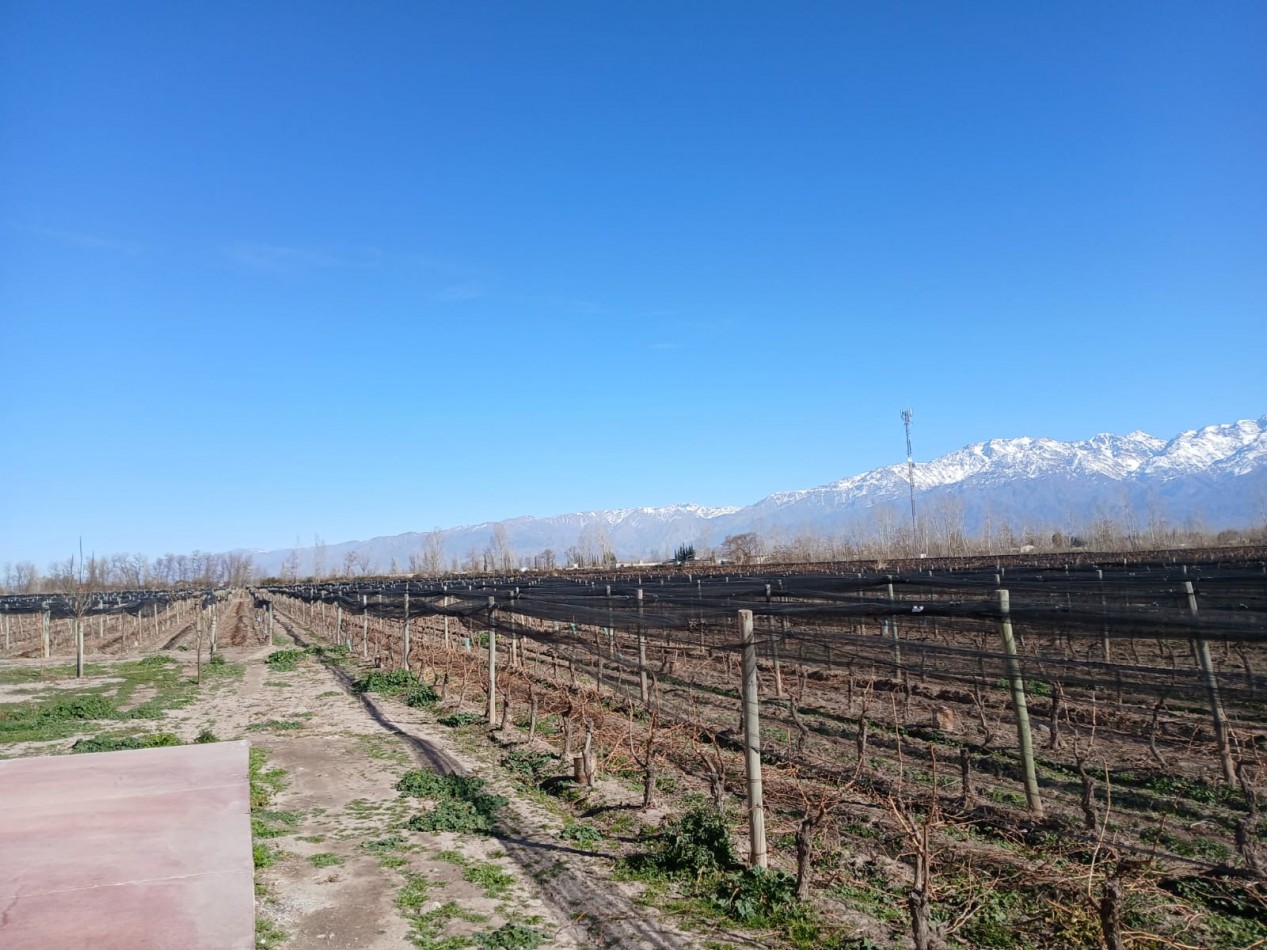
891,623
774,646
269,609
752,743
45,621
365,626
1212,691
1017,683
406,631
492,664
79,647
1104,609
643,687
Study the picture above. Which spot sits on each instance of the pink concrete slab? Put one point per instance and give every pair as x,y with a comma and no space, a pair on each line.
147,849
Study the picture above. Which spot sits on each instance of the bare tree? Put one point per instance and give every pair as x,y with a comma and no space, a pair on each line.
318,557
741,548
433,556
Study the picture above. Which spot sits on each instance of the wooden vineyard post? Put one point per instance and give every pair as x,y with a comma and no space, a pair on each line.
1017,683
406,630
752,743
1212,691
492,664
643,688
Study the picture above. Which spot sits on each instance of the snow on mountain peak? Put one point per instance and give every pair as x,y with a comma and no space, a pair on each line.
1106,455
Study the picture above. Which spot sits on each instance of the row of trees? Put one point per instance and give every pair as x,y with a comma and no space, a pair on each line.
129,572
939,532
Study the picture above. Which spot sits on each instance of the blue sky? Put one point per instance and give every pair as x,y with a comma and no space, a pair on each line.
276,270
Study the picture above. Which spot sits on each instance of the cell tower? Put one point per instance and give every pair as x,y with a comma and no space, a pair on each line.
907,415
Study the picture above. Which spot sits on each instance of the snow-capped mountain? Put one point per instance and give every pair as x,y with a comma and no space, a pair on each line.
1212,478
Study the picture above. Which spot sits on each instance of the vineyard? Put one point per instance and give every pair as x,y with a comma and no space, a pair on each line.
965,754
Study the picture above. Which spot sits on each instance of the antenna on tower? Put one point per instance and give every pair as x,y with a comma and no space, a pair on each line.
907,415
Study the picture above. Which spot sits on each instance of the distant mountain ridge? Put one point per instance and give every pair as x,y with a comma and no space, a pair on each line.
1215,476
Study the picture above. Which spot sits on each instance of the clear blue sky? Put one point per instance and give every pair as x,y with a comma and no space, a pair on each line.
271,270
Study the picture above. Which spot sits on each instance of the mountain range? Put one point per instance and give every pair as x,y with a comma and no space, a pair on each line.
1211,479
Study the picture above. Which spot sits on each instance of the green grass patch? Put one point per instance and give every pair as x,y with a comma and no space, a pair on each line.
102,694
456,719
325,859
275,725
428,929
285,661
264,856
461,804
385,845
265,783
490,877
268,935
55,719
119,743
584,835
339,653
420,696
530,767
413,894
510,936
386,682
695,844
267,823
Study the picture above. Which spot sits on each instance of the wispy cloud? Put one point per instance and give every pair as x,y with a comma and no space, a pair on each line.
291,258
92,242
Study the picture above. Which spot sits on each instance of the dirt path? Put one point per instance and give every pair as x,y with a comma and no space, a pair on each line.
344,858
